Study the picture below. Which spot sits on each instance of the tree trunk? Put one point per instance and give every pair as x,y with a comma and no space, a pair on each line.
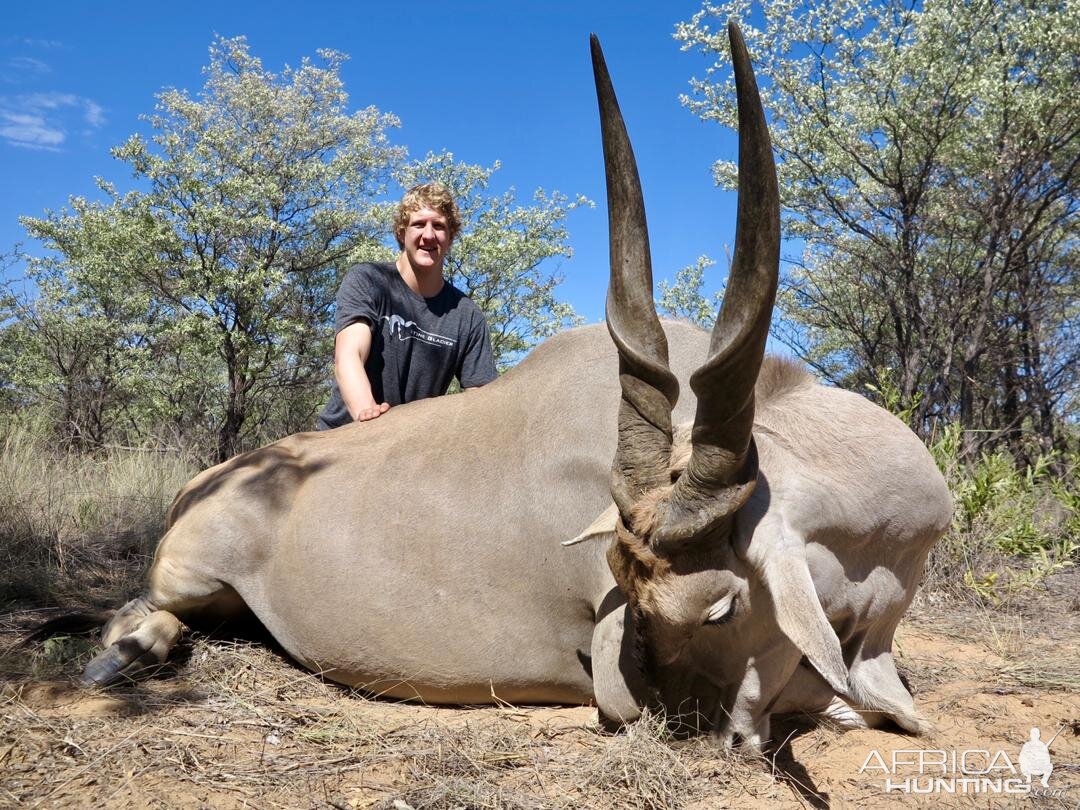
228,444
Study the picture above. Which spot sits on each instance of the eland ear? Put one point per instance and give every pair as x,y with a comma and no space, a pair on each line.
602,527
783,568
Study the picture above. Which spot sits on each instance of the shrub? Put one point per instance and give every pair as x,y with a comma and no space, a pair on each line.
1012,526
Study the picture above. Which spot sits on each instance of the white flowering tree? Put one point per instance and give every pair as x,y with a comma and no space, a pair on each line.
928,161
684,297
253,196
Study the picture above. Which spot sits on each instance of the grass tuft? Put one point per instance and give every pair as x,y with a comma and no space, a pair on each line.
79,530
642,764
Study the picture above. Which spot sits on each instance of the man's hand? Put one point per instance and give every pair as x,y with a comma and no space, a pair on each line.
351,349
372,412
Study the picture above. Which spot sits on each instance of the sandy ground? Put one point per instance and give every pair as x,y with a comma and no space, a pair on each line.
236,725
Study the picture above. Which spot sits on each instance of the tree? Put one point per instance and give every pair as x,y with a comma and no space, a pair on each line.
684,297
258,192
78,346
499,257
928,161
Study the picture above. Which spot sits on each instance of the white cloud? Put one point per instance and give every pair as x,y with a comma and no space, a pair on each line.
47,44
28,64
29,131
95,116
49,101
43,120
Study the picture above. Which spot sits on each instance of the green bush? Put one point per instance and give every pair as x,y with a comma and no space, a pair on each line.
1012,527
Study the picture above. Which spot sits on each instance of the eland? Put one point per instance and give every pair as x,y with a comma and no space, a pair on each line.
751,549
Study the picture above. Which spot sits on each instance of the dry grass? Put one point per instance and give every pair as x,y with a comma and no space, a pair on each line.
79,530
242,724
1046,672
926,672
642,763
1032,646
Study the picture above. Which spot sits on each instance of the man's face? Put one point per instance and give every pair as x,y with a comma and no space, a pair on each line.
427,239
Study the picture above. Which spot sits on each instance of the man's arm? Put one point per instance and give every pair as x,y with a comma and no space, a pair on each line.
351,349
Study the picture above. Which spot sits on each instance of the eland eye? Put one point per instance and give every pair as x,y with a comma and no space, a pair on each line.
721,612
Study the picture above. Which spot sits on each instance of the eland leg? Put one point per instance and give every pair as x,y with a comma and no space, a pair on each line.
881,695
807,693
877,685
144,631
744,720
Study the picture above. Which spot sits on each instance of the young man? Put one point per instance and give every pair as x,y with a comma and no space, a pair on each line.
403,331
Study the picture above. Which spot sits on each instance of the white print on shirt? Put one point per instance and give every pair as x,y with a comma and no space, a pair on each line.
408,330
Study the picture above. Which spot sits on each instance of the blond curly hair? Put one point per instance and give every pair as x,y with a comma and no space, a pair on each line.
435,196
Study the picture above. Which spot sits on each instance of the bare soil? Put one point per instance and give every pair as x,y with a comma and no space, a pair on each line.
237,725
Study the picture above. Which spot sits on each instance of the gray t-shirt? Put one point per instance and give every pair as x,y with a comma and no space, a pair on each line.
418,344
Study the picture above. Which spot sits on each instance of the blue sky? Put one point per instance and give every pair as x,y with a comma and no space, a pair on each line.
485,80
